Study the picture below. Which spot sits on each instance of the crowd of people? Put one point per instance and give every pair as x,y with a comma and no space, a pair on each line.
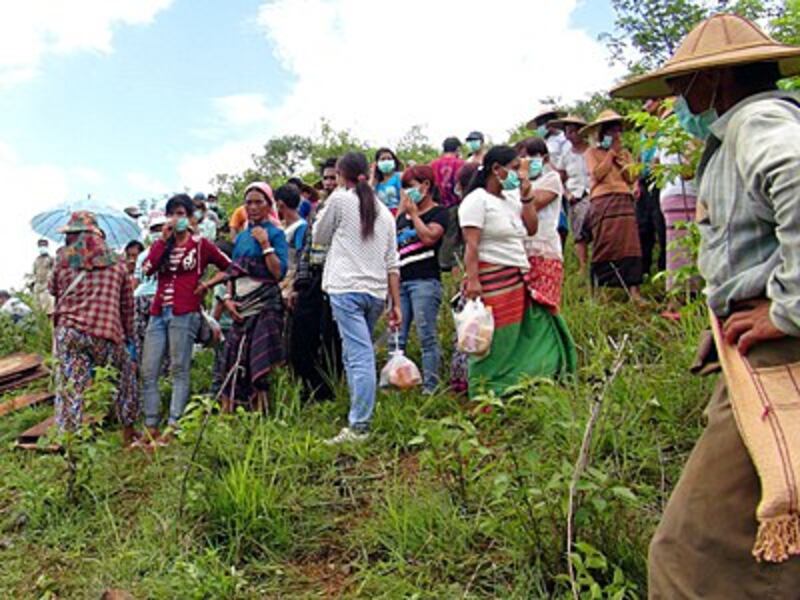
303,274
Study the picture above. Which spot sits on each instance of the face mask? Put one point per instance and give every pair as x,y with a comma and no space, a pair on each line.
198,215
474,145
606,142
536,167
697,125
386,166
541,131
182,224
42,251
415,195
511,182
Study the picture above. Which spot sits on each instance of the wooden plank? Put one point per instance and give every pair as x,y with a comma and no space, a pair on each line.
14,364
24,401
29,439
39,373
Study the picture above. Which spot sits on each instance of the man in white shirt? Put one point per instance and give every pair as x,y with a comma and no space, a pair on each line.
576,184
13,307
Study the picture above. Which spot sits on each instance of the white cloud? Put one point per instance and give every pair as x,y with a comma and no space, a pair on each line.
242,109
449,65
147,184
27,190
32,29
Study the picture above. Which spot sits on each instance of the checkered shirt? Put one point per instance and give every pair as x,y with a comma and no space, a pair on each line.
100,305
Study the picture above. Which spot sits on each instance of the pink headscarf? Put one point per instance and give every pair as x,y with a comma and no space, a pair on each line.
265,189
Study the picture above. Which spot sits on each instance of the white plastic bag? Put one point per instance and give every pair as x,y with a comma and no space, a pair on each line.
474,328
400,371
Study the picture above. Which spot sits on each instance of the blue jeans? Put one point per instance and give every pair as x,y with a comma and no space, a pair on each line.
175,334
420,300
356,315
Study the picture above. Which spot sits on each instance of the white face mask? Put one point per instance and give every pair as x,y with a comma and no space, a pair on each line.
43,251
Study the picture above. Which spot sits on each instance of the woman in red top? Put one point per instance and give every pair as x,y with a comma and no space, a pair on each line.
179,260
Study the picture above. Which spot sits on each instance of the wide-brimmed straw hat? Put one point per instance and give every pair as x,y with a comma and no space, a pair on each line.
606,116
545,117
569,120
720,41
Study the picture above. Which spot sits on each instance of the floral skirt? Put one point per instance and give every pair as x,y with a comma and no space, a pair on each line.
78,354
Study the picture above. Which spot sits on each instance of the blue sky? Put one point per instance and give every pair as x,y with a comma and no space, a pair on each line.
127,99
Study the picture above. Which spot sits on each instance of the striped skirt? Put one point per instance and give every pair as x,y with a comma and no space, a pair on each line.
529,341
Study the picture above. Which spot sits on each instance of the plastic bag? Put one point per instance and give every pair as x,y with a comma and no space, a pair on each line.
474,328
400,371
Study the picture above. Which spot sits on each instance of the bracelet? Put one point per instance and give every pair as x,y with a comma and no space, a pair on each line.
268,251
227,297
528,201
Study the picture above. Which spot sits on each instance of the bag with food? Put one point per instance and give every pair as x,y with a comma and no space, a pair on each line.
400,371
474,328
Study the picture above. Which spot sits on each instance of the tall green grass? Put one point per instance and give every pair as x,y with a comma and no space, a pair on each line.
448,499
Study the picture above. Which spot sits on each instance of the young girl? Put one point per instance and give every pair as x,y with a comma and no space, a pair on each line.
386,178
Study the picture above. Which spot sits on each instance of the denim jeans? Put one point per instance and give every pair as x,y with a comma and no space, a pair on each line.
420,300
176,335
356,315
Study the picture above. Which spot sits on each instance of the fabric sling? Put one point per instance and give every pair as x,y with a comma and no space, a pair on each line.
766,405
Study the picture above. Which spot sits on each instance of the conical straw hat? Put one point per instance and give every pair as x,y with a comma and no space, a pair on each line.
720,41
606,116
569,120
545,117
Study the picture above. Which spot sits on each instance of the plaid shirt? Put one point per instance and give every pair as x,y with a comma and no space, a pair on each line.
748,201
101,304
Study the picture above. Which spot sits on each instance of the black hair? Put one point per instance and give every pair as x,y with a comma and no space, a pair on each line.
354,168
289,194
398,166
329,163
134,244
605,127
5,294
535,145
179,200
451,144
226,247
501,155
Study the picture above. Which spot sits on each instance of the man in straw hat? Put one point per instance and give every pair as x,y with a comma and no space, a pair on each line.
547,127
735,508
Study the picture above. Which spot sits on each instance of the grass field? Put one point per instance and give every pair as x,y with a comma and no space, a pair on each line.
448,499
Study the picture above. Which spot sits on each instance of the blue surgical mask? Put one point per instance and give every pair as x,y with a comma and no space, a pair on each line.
541,131
182,224
536,167
606,142
386,166
511,182
474,145
415,195
697,125
198,215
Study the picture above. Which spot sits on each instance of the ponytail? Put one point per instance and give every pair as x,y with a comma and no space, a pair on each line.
353,167
367,209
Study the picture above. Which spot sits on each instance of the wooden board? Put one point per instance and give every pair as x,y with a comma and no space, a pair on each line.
29,439
14,364
24,401
35,375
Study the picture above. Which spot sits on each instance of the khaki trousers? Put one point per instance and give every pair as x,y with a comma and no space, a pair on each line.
702,547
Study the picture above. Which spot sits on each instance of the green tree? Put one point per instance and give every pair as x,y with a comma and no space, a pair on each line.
647,32
416,146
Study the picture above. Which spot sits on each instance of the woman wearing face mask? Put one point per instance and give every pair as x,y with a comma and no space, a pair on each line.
544,249
611,222
386,178
178,259
496,216
420,228
205,226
